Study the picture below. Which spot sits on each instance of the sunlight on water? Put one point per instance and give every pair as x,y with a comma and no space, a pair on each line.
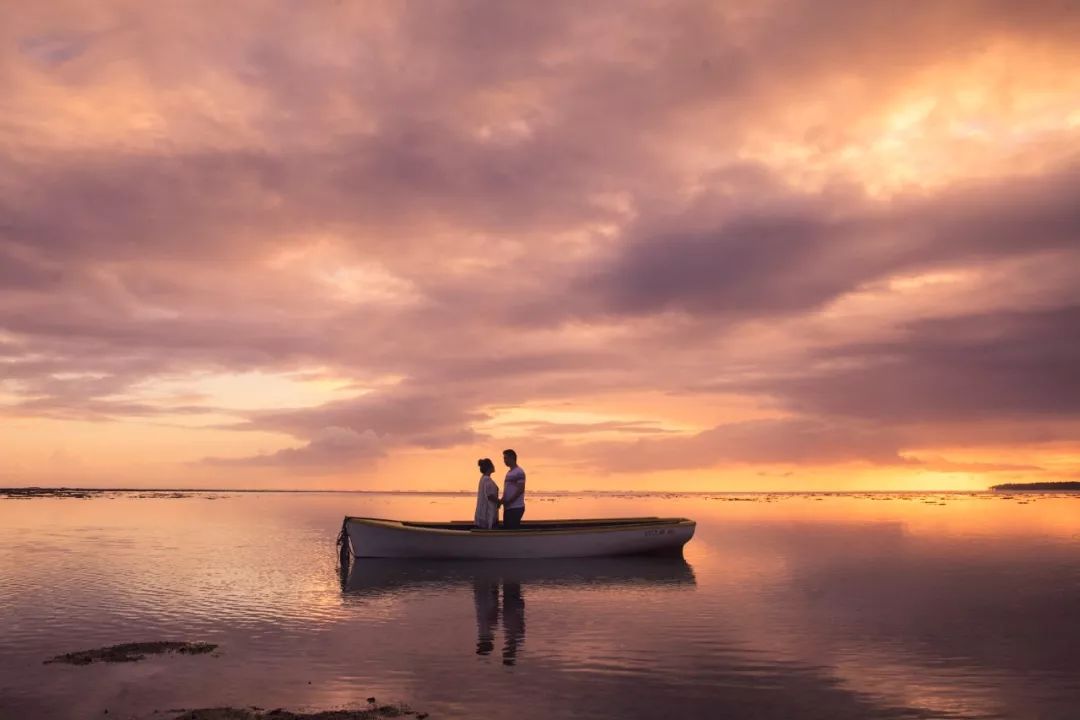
817,606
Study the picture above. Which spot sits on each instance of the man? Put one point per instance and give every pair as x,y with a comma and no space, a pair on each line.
513,500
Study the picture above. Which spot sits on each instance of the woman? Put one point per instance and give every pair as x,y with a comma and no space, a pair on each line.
487,497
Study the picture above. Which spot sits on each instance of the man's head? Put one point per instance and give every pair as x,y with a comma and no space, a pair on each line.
510,458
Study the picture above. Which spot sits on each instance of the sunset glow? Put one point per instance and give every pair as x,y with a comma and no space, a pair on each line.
685,246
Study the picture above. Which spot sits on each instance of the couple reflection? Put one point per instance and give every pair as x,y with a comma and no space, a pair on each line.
497,586
486,598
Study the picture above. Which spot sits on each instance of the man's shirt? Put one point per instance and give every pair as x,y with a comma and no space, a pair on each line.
515,481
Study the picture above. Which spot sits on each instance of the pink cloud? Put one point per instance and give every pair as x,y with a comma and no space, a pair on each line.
555,201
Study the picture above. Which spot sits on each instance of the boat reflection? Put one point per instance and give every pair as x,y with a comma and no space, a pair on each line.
374,576
498,586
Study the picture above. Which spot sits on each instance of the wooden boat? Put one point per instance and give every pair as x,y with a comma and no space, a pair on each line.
377,537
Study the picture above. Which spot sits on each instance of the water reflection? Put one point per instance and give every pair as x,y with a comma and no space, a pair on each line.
486,599
498,585
373,576
513,621
839,608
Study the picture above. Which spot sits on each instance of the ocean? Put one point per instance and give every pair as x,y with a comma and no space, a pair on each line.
813,605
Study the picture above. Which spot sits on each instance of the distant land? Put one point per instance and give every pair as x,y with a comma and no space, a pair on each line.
1038,486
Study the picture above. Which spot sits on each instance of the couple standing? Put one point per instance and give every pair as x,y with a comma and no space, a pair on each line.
487,495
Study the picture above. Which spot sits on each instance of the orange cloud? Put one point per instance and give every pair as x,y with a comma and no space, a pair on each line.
661,244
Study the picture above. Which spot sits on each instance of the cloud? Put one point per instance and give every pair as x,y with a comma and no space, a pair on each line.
630,427
330,448
18,269
467,206
938,464
348,432
797,252
1016,366
779,441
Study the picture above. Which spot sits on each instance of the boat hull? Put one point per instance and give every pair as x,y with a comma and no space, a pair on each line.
374,537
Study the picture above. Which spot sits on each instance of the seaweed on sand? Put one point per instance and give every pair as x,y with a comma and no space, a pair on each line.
132,652
229,713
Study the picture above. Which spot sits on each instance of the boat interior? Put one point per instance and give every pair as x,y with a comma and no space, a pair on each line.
591,524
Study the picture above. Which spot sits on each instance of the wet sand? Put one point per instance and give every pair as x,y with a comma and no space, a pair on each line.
134,652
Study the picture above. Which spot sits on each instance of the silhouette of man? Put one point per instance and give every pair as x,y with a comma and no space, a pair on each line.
513,619
486,598
513,499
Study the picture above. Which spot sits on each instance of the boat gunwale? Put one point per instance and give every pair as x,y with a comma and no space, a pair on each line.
606,526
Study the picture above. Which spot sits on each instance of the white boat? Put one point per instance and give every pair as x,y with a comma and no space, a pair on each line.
377,537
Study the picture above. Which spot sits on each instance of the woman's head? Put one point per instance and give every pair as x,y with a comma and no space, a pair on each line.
486,466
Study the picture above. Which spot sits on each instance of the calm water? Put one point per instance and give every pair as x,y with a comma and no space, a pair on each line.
798,606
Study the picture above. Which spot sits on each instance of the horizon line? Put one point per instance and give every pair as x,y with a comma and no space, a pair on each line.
468,491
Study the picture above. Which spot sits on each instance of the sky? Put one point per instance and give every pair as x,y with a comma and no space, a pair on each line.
789,245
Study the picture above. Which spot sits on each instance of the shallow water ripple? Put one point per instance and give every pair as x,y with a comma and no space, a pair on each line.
830,606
